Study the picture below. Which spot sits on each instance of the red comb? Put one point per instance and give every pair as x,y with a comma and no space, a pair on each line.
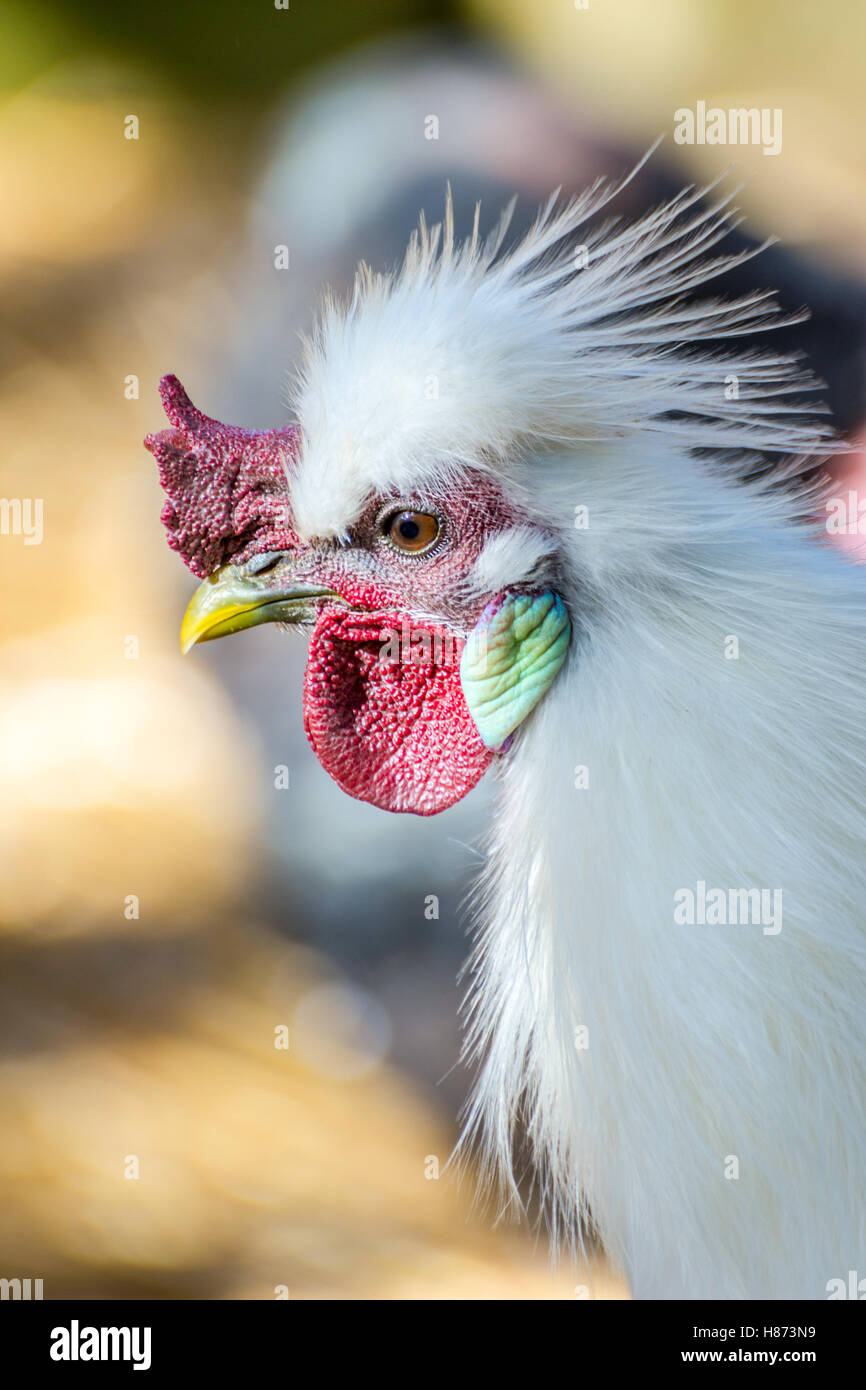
227,488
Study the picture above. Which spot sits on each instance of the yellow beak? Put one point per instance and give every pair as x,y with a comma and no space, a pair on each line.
236,597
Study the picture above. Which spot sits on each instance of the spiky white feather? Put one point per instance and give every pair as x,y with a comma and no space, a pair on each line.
467,355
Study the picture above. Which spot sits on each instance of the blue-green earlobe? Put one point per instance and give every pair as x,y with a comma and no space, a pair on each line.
510,659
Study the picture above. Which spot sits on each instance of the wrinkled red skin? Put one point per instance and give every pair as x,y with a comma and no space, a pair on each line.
397,734
227,489
394,733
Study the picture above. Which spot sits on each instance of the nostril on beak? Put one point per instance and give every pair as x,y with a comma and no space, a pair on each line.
261,564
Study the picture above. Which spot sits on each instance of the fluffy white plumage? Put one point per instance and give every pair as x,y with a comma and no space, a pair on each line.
575,373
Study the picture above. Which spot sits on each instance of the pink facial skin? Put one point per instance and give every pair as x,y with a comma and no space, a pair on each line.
383,707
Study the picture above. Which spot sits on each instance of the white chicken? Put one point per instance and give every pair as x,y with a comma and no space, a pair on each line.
529,454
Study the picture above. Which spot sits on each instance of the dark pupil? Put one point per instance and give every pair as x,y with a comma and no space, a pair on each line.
409,529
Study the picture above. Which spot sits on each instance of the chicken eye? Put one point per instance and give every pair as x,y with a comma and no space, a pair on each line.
411,532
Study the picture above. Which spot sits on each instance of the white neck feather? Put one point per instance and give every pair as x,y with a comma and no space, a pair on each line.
711,1049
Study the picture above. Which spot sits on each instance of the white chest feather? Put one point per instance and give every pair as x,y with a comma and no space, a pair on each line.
687,1053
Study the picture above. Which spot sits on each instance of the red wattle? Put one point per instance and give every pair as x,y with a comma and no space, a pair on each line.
392,731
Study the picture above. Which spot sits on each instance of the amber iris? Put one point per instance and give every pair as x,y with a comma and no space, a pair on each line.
412,532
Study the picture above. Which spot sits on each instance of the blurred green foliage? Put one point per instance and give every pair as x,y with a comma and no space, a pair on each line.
240,51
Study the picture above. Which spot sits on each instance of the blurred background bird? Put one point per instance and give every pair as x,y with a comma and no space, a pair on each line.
304,128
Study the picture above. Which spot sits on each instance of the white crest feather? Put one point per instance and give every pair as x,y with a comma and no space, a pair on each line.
469,354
